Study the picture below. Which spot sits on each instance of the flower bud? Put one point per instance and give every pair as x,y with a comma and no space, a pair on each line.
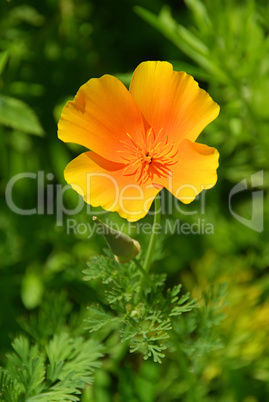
122,246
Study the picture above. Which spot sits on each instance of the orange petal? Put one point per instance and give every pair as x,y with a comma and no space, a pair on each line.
172,101
195,171
102,183
99,118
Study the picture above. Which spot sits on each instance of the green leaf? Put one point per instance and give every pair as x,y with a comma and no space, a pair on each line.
76,357
184,40
9,388
98,318
57,374
27,365
199,13
16,114
156,352
3,60
100,267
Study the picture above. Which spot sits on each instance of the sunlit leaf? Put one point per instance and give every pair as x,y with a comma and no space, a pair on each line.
16,114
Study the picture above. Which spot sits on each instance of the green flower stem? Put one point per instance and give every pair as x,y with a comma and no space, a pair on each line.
141,269
144,278
153,238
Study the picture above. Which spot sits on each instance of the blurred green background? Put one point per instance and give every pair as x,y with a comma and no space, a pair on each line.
48,49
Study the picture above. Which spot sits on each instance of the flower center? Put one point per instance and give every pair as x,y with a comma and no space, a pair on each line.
150,158
147,158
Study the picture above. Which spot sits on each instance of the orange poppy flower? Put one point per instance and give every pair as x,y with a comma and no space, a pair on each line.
140,140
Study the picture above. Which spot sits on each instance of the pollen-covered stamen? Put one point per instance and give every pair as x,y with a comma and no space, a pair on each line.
150,158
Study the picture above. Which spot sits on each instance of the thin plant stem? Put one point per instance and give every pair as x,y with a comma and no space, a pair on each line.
145,278
153,238
141,269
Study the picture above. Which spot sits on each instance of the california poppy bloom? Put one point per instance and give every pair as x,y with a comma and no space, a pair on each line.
140,140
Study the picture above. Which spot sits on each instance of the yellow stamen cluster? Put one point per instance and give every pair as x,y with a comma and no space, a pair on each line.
150,158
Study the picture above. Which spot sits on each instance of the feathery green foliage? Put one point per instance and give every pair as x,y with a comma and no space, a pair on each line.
57,373
140,308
